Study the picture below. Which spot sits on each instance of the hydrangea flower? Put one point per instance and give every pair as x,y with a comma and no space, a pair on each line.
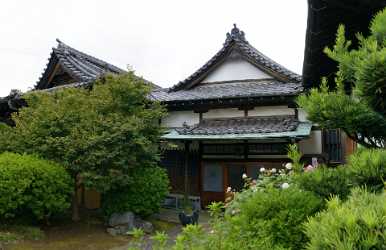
285,185
262,170
245,176
273,170
288,166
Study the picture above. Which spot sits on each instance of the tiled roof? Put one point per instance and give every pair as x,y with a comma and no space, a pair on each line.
70,85
236,41
253,88
82,67
242,125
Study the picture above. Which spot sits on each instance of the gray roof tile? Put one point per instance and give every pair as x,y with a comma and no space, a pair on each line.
242,125
235,89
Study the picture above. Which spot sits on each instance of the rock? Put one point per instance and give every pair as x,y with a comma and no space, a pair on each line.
118,230
112,231
121,224
146,226
126,219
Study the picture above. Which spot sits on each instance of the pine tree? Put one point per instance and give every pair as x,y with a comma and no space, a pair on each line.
358,104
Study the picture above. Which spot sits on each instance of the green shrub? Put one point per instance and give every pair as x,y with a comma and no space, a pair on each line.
274,217
325,182
358,223
143,195
32,186
192,237
269,219
368,168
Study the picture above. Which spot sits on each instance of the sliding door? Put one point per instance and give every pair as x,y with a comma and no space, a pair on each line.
212,183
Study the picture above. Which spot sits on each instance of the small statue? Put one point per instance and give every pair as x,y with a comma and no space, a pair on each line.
189,219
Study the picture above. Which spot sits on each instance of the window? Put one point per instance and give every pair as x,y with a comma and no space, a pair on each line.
213,177
223,149
332,144
267,148
241,149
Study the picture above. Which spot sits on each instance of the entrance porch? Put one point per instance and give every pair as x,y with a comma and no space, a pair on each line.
206,159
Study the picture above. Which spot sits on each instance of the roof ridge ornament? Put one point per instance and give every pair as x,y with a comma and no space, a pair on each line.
63,46
236,34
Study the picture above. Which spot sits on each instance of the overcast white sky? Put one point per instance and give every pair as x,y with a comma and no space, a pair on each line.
163,41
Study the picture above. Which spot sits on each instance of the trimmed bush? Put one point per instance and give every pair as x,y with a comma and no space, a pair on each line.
274,217
32,186
358,223
367,168
325,182
143,195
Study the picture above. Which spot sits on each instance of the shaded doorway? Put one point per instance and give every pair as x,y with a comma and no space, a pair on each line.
217,176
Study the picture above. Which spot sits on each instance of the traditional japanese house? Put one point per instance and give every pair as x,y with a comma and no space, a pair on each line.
237,113
234,115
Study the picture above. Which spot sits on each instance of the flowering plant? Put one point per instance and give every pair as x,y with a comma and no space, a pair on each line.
267,179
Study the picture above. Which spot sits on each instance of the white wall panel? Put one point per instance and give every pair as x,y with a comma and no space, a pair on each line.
223,113
302,115
271,110
312,145
177,118
235,68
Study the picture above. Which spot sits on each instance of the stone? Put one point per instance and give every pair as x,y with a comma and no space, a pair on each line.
119,230
126,219
146,226
123,223
113,231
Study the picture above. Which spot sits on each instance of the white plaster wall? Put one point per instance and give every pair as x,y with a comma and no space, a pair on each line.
177,118
223,113
302,115
312,145
235,68
271,110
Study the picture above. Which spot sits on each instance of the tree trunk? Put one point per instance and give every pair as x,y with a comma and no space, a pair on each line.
74,202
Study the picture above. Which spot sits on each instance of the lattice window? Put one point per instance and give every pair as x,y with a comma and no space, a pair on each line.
267,148
223,149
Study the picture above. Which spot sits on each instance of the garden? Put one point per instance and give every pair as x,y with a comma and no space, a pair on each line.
107,138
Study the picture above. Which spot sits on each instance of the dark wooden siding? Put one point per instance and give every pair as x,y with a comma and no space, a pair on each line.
174,161
332,145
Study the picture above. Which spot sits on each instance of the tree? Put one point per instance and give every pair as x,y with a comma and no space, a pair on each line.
99,135
358,104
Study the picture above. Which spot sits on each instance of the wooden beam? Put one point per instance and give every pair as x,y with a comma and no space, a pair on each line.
52,75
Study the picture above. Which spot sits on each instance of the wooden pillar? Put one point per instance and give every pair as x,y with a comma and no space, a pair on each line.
200,173
186,181
245,147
